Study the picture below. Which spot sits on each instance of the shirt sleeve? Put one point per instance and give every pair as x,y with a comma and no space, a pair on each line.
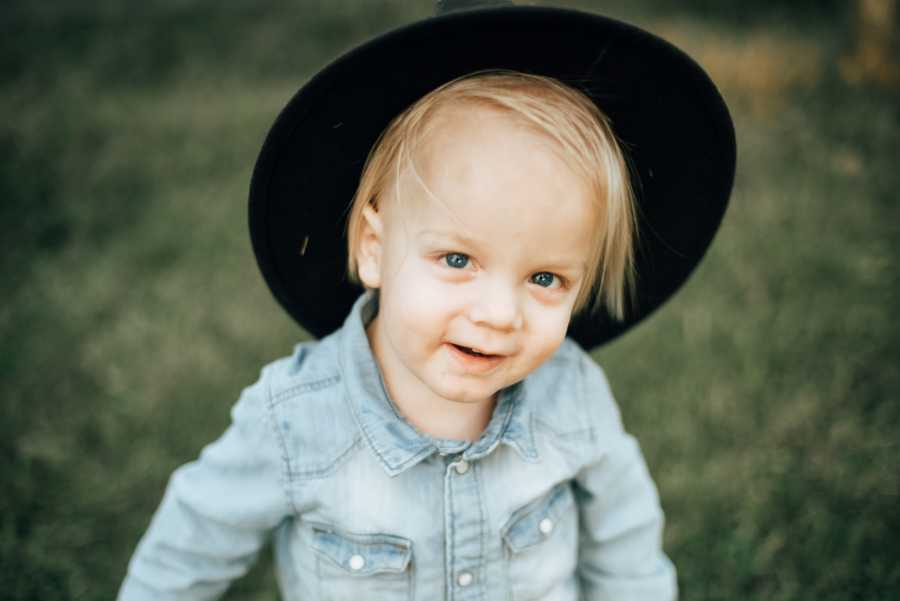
216,512
620,554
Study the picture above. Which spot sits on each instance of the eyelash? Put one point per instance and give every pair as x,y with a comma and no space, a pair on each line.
465,258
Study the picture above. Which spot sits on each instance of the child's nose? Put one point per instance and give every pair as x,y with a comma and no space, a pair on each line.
497,306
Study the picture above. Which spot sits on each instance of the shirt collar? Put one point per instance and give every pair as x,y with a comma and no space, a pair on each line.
394,441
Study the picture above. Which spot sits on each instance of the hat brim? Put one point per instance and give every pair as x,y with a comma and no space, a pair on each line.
673,124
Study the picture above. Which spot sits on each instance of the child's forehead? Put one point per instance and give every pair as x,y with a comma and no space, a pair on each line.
481,152
463,136
486,181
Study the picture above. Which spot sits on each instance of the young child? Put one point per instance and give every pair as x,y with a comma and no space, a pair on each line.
447,441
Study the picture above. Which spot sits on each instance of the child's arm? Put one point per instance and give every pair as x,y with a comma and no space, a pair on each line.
216,512
620,552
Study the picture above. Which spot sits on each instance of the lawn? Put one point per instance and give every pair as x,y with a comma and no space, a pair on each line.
764,394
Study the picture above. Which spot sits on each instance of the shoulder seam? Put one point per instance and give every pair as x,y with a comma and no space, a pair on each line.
302,388
589,431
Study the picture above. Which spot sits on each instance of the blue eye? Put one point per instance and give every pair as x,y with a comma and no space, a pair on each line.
456,260
544,279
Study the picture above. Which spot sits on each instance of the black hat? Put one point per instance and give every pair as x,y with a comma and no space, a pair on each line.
672,123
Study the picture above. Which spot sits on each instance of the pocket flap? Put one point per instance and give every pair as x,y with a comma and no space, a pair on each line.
533,523
362,554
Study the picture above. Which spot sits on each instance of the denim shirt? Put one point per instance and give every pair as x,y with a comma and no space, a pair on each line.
552,502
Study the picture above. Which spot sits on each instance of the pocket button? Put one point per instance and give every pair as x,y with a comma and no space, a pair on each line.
534,523
546,526
362,554
357,562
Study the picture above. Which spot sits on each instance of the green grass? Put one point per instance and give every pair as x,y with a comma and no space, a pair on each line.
133,312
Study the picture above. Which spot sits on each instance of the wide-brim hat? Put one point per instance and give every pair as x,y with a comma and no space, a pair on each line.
671,121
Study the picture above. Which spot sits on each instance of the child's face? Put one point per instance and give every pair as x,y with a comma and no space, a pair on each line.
493,261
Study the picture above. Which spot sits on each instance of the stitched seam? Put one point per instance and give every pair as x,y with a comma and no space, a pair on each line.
299,389
416,457
530,454
325,471
365,430
478,489
410,577
449,478
590,431
375,448
372,444
285,459
534,450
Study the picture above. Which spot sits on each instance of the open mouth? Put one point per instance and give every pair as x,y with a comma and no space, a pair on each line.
473,361
472,352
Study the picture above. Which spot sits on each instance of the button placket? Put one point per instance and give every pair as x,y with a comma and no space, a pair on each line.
464,523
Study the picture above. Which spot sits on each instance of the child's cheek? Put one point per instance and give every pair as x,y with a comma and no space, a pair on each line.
437,270
547,325
426,294
439,283
551,297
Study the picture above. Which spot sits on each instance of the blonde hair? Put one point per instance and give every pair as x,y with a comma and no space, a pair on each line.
567,117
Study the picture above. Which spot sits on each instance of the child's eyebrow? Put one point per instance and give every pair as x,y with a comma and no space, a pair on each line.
433,236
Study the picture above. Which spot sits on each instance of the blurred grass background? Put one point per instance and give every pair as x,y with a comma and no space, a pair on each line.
132,311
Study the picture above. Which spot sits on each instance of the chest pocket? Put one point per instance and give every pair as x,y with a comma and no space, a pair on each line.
541,541
356,566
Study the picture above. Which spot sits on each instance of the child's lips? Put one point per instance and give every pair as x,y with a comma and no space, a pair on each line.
473,359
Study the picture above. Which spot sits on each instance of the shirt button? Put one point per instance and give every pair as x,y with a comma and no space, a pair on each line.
357,562
464,578
546,525
462,467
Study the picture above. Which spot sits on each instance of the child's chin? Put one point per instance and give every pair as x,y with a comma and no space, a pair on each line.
469,396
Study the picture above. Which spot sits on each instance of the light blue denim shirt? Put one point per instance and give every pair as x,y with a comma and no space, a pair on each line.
552,502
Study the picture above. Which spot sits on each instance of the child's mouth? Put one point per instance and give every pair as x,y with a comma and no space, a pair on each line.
472,352
474,360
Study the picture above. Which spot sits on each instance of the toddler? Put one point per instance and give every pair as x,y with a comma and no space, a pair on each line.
448,441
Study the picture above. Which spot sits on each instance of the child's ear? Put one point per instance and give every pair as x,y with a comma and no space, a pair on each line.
368,258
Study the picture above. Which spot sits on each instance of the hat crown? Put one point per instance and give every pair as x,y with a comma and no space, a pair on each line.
443,7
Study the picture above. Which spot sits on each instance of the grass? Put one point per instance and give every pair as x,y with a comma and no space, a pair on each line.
133,312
